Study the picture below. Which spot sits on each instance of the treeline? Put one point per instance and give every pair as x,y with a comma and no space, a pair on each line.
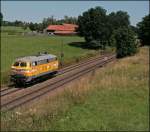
51,21
38,26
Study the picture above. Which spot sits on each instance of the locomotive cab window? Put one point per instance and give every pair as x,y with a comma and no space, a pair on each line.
21,64
16,64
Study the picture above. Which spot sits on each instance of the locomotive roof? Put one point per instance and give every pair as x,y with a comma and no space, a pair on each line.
36,58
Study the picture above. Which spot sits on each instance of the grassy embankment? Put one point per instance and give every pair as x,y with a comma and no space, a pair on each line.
114,98
13,46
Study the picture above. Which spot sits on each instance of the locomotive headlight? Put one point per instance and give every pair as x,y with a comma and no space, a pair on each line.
28,71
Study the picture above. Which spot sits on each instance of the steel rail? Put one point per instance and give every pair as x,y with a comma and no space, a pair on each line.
11,105
4,89
9,92
60,72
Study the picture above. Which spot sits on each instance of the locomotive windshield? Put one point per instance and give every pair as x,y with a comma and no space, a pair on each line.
21,64
16,64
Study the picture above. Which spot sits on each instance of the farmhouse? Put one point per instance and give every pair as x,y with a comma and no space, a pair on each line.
64,29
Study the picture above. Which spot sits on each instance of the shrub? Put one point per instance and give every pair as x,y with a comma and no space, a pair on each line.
125,42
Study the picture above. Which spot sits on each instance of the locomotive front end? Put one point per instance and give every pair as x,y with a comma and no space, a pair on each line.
20,72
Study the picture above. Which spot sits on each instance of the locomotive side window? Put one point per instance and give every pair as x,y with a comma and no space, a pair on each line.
52,59
34,63
42,62
45,61
49,60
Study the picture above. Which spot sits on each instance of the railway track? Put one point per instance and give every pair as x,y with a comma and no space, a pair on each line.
70,73
6,91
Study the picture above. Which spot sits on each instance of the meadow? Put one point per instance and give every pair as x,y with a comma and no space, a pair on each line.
113,98
13,30
13,46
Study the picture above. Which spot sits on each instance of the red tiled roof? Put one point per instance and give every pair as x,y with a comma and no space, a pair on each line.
64,27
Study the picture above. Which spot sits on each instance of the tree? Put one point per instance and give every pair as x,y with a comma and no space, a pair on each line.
93,26
1,18
71,20
144,30
48,21
32,26
119,19
40,27
25,25
18,23
134,29
36,26
125,42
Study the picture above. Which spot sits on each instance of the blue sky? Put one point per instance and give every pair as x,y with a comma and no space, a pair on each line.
35,11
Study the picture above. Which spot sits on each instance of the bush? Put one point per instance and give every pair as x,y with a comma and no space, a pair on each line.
125,42
94,44
98,44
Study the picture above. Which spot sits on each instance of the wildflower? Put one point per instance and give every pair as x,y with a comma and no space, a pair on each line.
32,110
18,113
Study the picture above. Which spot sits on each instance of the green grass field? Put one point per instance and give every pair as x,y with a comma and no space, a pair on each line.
115,98
15,46
12,30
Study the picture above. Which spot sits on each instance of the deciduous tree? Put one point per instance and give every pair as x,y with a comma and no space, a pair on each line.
1,18
93,26
32,26
144,30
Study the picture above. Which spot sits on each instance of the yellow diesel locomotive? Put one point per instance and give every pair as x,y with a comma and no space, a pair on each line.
26,69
